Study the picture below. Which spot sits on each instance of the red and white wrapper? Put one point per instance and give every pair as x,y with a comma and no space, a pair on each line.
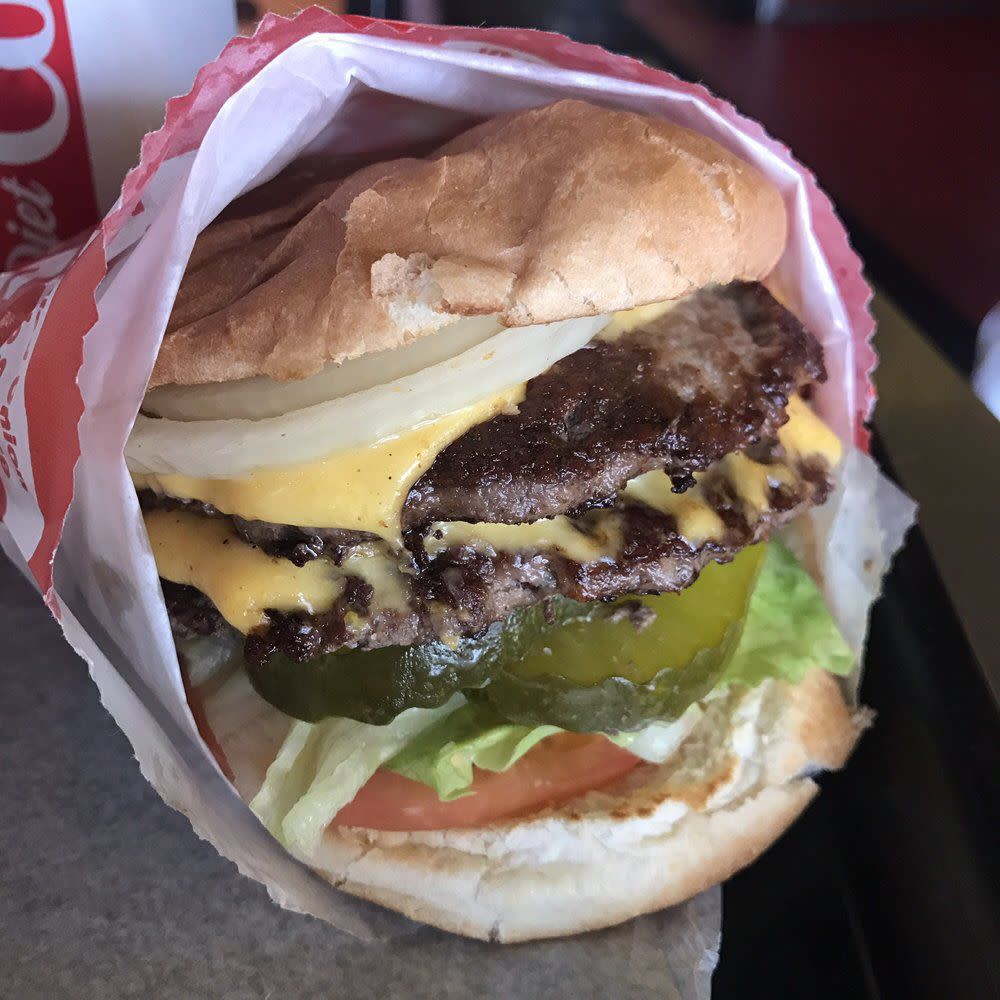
77,98
79,332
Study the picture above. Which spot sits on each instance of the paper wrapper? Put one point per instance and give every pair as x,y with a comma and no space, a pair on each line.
79,332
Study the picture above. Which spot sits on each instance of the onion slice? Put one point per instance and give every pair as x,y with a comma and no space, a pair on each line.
256,398
227,449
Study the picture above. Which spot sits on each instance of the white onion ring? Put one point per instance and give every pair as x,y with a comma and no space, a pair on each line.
228,449
256,398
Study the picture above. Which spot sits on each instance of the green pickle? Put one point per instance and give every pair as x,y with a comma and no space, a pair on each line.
593,647
595,671
590,668
374,685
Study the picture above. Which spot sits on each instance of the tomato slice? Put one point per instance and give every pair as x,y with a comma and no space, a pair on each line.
557,769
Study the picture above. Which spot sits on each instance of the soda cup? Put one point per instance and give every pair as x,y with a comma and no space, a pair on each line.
81,82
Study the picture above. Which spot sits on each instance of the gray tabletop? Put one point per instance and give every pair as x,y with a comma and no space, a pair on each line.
106,892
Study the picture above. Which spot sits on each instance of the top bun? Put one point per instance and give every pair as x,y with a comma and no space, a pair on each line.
542,215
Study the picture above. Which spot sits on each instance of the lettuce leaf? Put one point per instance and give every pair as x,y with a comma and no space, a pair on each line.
787,630
444,755
322,766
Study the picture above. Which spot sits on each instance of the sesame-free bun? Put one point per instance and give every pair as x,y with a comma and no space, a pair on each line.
560,211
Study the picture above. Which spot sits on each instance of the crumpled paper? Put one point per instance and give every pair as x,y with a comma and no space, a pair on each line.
72,380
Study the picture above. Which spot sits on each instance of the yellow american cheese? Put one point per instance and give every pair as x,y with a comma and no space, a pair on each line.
240,580
806,435
381,572
753,481
361,489
696,521
553,534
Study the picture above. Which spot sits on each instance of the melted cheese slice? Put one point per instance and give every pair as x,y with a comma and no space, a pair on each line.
553,534
628,319
361,489
381,572
804,436
696,521
240,580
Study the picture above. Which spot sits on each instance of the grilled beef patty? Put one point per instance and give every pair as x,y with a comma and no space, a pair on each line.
711,376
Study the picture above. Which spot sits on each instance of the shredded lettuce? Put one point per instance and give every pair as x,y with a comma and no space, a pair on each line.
322,766
443,755
787,631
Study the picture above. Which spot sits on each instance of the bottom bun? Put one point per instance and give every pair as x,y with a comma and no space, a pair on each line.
657,837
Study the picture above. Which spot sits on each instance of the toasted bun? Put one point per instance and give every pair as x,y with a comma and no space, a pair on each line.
561,211
662,835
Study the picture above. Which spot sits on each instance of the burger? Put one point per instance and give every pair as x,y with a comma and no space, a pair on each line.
473,481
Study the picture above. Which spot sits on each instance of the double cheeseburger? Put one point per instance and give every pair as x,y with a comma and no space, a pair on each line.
466,479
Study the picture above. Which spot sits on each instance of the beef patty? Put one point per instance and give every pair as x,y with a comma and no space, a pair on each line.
711,376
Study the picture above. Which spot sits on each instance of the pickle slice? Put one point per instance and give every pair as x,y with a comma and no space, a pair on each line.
374,685
583,667
592,642
616,666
